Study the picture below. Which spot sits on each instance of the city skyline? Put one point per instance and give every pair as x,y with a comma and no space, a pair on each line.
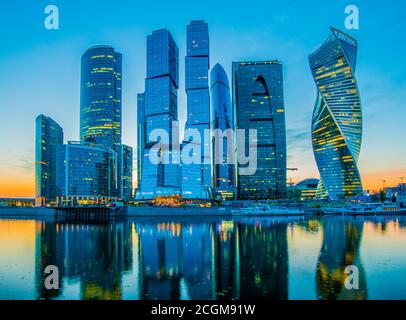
378,160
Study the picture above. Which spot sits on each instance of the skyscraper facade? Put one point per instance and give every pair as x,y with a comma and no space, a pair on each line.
259,104
222,120
140,135
127,172
47,137
337,117
196,177
86,174
100,101
161,110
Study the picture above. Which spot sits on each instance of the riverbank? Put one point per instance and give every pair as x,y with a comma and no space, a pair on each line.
131,212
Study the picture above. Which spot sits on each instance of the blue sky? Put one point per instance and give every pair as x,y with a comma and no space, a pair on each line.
41,68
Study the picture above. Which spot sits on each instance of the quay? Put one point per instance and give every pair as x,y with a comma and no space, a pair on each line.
89,214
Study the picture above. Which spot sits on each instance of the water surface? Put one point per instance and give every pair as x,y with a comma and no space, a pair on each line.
197,258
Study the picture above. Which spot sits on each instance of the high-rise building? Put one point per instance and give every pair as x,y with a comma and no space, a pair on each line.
127,172
140,135
337,117
161,112
100,101
86,174
222,120
259,105
47,137
196,177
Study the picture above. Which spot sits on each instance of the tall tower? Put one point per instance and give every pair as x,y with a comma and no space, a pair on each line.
140,135
161,110
127,172
259,105
48,135
222,120
100,102
196,177
337,117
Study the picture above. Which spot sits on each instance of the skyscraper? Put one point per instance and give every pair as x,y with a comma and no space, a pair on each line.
337,117
140,135
47,137
259,105
161,110
196,177
222,119
86,174
100,101
127,172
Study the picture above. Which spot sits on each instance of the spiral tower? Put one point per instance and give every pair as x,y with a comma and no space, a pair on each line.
337,117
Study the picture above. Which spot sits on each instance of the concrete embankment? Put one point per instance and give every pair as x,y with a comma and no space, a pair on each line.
181,211
141,211
26,213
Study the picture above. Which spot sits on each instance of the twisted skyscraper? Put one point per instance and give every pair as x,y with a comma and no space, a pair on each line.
337,117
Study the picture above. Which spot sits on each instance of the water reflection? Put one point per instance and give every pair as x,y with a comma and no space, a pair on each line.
95,255
340,248
207,259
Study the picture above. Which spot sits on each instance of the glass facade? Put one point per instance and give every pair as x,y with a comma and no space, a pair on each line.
140,135
86,171
100,101
161,110
337,117
222,119
48,135
259,104
196,177
127,172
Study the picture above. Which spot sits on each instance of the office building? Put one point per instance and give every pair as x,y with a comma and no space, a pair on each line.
196,177
259,105
48,135
223,156
337,117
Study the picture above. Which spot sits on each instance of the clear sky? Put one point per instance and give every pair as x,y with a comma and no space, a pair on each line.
40,69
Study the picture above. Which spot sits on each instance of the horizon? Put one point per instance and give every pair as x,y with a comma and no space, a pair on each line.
46,66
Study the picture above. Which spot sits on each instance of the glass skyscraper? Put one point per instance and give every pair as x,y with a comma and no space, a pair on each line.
100,101
337,117
127,172
140,135
196,177
259,104
222,119
86,174
48,135
161,110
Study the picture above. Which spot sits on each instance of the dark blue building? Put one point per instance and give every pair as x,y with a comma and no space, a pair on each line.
127,172
86,174
100,101
161,110
222,120
196,177
259,104
47,137
140,135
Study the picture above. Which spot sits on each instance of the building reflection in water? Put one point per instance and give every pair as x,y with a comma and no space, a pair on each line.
340,248
97,255
175,260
